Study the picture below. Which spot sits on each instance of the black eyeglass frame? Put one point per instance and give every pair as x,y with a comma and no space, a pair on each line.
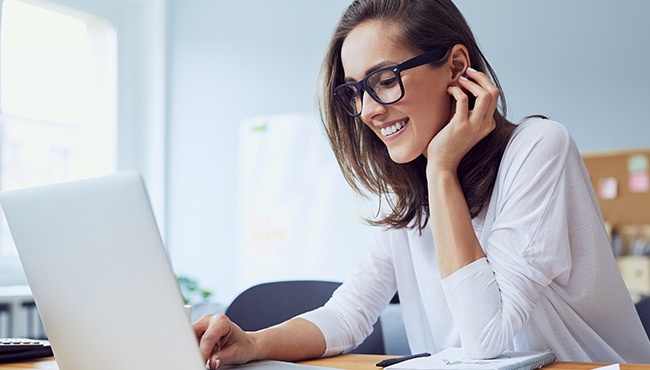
434,55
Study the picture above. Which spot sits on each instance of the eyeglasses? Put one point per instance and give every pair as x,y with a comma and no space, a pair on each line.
383,85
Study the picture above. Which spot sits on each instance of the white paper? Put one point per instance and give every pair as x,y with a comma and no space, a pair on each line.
609,367
273,365
454,359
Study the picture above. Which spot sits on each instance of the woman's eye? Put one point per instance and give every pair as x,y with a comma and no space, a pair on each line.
388,82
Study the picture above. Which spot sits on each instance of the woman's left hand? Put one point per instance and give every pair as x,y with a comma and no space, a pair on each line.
466,127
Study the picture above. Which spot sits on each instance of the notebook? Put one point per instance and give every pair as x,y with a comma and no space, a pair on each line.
453,359
100,276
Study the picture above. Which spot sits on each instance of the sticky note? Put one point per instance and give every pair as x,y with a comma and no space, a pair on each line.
638,182
637,163
608,187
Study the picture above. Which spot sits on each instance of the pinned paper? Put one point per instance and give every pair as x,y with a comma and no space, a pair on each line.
608,188
638,182
609,367
637,163
637,173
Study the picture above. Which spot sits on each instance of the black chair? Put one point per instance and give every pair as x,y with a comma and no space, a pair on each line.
271,303
643,309
6,317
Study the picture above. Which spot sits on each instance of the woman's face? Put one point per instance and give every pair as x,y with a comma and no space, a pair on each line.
420,114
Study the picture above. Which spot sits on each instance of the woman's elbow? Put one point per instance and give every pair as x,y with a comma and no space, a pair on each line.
481,353
484,348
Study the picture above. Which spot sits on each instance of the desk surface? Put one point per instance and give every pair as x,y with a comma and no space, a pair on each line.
352,362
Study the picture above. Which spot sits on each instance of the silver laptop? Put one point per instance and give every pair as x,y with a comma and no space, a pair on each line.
100,276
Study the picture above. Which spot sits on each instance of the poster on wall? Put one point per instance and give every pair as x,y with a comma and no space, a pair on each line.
298,217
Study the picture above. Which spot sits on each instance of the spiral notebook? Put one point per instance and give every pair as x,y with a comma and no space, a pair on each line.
453,359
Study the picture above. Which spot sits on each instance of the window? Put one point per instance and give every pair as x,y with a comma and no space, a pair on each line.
57,98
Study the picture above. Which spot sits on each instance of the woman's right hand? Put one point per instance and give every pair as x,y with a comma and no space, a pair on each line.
466,126
222,342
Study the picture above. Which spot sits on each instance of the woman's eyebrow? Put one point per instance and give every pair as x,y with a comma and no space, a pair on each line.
379,65
371,69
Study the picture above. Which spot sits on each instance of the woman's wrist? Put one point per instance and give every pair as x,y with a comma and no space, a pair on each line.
257,343
440,170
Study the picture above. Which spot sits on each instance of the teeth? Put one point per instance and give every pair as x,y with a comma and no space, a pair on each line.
392,129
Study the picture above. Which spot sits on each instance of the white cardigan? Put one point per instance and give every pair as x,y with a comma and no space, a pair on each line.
549,279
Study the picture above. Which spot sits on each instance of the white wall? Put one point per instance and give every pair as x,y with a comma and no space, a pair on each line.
230,60
582,62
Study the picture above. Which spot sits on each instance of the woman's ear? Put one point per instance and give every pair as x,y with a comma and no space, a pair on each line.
458,61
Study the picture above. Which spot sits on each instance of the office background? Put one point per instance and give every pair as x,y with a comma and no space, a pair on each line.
192,73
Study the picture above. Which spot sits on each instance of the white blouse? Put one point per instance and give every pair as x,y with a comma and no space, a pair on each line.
549,279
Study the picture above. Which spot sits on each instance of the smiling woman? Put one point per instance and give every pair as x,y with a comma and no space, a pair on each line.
481,222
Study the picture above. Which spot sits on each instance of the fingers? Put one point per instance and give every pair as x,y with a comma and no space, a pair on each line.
461,110
486,93
466,127
213,362
200,326
212,332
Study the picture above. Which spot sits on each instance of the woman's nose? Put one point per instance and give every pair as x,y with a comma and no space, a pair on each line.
370,108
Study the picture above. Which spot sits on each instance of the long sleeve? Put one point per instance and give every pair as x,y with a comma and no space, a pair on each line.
348,317
527,245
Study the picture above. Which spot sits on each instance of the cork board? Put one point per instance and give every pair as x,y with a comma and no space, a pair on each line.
620,180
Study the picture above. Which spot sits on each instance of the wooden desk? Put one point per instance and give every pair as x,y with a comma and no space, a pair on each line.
352,362
367,362
46,363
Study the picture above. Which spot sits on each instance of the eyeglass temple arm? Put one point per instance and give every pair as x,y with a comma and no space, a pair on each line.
428,57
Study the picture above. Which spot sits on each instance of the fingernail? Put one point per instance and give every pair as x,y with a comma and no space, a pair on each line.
464,78
471,69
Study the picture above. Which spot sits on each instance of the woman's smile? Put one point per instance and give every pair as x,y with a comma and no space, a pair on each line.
393,129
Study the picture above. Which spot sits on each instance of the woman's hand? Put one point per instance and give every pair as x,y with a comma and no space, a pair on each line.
222,342
466,127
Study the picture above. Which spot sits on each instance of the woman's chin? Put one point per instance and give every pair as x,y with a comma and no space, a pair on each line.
401,157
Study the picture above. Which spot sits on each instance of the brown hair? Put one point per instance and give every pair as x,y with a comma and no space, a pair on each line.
424,25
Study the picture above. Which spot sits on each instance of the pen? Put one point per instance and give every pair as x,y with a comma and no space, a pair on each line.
397,360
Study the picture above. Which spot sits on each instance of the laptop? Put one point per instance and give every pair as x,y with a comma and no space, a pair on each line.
100,275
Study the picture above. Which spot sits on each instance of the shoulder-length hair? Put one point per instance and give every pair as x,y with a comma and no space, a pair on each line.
423,25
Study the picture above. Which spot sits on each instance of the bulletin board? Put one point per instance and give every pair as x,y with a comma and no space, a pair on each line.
621,183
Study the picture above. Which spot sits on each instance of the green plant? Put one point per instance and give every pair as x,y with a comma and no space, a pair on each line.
191,291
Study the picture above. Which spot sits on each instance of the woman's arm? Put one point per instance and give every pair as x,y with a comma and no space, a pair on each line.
527,245
222,342
295,339
456,243
454,238
525,238
453,235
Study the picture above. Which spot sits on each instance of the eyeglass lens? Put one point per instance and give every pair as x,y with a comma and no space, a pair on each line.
383,86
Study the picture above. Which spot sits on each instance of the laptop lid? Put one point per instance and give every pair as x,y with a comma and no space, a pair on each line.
100,275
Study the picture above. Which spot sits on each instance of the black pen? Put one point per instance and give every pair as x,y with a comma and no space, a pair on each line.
397,360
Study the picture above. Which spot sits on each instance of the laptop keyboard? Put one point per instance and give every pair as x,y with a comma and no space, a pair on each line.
22,349
18,344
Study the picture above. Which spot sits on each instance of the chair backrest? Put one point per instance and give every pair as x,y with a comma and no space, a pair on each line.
268,304
643,309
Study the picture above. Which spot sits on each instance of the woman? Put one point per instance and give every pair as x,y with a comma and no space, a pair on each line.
491,232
